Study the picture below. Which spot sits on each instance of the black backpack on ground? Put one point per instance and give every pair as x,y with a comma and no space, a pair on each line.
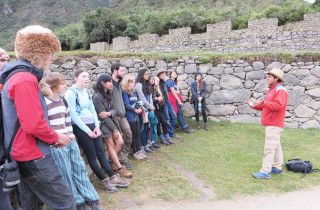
302,166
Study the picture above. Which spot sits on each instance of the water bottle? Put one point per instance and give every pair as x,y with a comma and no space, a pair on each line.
199,106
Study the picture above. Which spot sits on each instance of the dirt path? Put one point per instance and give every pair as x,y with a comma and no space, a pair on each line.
207,192
306,199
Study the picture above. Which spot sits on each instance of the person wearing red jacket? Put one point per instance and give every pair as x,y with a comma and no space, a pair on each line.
26,122
273,109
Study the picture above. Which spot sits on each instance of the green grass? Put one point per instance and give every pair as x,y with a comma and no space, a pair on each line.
153,180
227,155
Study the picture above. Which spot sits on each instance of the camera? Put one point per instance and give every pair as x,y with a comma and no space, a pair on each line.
140,105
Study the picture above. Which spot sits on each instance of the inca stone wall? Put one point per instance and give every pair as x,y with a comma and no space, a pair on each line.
263,35
229,84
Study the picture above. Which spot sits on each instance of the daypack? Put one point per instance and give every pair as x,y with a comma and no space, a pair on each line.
302,166
4,77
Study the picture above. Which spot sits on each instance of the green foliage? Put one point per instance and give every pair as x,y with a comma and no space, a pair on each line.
72,37
104,25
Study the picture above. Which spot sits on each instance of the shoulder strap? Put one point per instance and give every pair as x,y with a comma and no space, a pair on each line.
64,101
77,98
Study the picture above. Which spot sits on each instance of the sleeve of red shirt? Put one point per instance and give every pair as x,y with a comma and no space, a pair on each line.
24,90
258,106
278,103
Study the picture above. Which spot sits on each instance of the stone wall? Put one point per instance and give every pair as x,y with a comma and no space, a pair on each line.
261,35
229,84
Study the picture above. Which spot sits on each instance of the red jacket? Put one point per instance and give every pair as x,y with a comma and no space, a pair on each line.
274,106
23,89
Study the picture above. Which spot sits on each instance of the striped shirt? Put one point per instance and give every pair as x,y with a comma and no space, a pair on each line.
59,116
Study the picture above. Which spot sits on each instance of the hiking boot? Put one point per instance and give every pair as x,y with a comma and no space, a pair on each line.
198,125
164,142
148,149
274,170
117,181
108,186
156,145
125,172
170,141
261,175
206,126
128,165
188,130
138,155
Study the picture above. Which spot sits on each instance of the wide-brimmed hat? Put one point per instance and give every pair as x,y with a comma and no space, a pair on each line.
277,73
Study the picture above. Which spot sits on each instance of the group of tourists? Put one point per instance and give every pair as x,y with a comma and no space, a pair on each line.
45,124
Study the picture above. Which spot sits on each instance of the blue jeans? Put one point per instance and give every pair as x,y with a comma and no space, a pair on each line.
42,183
181,119
4,198
171,118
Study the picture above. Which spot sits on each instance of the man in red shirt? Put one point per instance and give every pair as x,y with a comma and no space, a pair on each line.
273,109
25,121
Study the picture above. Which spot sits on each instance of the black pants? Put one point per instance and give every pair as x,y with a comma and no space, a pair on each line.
203,110
93,149
136,137
162,123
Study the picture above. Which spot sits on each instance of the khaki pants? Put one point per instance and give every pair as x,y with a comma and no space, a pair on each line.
273,156
125,130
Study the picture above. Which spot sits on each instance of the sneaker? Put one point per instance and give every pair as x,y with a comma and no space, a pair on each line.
125,172
137,156
128,165
276,171
188,130
170,141
164,142
117,181
108,186
156,145
206,126
148,149
261,175
198,125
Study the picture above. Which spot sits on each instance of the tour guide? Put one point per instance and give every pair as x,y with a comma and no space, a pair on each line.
273,113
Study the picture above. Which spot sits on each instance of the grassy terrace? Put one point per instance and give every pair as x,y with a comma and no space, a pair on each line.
204,57
223,158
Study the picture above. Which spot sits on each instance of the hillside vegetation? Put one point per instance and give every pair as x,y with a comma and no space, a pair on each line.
76,26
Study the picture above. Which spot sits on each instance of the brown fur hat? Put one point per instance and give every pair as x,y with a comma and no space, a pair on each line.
33,43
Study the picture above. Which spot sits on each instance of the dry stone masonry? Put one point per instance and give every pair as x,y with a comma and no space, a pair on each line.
229,84
263,35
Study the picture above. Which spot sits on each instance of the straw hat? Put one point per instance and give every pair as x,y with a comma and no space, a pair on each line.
277,73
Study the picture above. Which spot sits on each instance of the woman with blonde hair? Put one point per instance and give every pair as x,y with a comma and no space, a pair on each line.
133,112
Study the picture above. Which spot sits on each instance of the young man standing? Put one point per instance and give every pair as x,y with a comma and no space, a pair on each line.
273,109
26,113
117,72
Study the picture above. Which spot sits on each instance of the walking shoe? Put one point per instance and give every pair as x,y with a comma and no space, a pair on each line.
124,172
206,126
142,150
138,156
156,145
128,165
198,125
276,171
170,141
188,130
164,142
261,175
148,149
108,185
117,181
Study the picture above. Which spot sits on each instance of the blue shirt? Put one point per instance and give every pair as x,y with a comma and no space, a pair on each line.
129,101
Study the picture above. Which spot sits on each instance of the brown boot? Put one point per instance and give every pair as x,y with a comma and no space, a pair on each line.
123,171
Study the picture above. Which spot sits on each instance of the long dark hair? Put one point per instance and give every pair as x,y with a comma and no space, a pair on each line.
98,88
145,83
176,79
